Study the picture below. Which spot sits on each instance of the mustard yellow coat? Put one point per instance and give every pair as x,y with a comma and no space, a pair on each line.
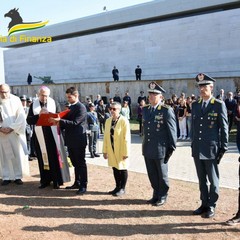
122,141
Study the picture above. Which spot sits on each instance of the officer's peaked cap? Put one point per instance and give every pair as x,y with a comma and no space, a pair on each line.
23,98
29,99
204,79
153,87
91,105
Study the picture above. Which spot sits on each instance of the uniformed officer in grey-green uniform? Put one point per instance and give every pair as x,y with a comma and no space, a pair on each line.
159,141
209,142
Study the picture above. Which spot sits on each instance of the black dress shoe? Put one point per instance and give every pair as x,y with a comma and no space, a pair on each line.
18,182
92,155
200,210
152,200
210,212
5,182
115,190
160,202
44,185
33,155
74,186
81,191
96,155
56,186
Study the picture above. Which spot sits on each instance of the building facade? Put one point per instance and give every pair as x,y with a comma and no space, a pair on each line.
170,40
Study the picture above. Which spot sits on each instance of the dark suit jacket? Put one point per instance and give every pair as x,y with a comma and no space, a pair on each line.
230,105
75,125
209,129
160,131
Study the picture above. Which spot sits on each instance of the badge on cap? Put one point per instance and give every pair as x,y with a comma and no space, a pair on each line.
204,79
23,97
152,85
200,77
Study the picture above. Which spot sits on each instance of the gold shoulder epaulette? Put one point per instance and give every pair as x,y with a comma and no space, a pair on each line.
166,106
213,100
146,105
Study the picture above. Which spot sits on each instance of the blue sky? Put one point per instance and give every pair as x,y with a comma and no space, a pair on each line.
58,10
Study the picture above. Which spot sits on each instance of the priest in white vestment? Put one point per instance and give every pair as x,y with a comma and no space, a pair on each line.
13,148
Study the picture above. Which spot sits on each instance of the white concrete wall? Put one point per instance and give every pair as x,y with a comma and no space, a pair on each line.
175,49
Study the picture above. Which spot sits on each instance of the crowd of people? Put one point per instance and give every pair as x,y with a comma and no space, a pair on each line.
205,120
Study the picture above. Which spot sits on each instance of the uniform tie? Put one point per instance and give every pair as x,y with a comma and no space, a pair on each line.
203,107
152,110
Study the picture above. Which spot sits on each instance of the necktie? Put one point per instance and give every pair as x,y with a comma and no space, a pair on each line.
203,107
152,110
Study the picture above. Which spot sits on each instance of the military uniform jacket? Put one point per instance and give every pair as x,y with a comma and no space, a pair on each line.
159,131
92,121
209,129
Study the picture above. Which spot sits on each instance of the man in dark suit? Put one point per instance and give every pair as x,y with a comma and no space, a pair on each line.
141,97
128,99
75,125
159,141
115,74
231,104
138,72
209,142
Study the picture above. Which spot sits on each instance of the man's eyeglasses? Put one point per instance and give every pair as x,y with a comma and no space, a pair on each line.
113,109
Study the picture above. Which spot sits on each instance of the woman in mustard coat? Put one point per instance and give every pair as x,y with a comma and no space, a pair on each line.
116,146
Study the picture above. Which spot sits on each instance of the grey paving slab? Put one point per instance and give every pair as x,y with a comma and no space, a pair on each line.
181,164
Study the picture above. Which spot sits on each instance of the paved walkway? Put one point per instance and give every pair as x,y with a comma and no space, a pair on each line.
181,165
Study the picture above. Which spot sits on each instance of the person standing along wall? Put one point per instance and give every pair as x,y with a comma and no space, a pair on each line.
29,79
128,99
230,105
101,113
138,73
141,97
115,74
93,128
139,115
